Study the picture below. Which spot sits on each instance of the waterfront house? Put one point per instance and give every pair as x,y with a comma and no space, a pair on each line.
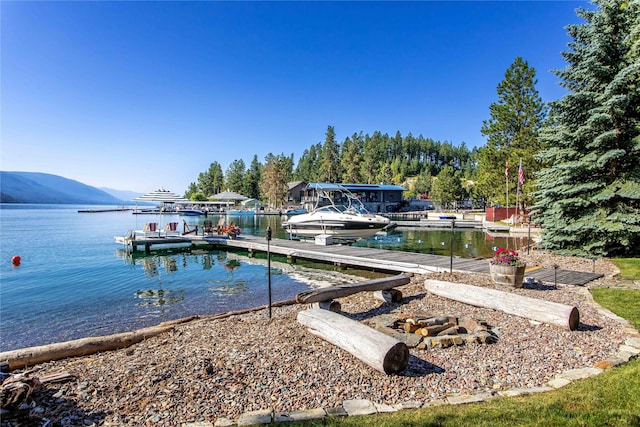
377,198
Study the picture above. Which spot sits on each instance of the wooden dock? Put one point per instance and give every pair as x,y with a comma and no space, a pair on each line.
367,258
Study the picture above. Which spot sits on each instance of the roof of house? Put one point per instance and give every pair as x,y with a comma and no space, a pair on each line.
356,187
294,184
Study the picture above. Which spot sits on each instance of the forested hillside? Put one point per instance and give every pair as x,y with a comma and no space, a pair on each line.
360,158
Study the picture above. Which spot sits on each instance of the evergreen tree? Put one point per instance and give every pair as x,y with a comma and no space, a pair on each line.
513,134
251,184
211,181
447,188
330,162
235,175
193,189
423,183
373,157
589,195
351,158
307,168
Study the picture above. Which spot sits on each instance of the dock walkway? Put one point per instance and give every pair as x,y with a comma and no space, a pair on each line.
380,259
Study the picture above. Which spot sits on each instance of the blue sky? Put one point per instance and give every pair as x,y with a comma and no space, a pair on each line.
142,95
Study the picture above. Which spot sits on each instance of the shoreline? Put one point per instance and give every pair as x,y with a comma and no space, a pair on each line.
212,370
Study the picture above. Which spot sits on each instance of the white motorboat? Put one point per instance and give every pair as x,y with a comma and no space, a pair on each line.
338,213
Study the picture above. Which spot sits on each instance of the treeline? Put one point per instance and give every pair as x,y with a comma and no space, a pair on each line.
361,158
574,161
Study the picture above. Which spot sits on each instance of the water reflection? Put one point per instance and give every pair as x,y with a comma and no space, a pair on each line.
159,297
229,290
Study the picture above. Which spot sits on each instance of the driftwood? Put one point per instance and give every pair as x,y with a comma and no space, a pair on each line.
16,359
16,389
332,292
555,313
81,347
378,350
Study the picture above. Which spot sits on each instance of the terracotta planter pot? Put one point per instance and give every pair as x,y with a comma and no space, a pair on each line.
508,275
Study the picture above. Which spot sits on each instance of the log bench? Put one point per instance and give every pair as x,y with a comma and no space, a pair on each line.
331,292
544,311
376,349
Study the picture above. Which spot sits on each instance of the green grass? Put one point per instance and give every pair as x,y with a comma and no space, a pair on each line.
609,399
629,267
625,303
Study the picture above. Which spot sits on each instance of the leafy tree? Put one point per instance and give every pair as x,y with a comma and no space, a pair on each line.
423,183
199,197
447,188
330,162
589,194
275,176
512,132
235,175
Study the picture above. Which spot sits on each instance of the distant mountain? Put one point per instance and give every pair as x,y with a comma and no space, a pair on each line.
34,187
127,196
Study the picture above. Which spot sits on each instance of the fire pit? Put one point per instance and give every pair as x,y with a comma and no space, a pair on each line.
429,331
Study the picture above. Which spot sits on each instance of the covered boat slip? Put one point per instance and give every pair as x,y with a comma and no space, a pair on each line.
379,259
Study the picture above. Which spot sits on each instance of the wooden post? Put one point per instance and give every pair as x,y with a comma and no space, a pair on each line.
532,308
378,350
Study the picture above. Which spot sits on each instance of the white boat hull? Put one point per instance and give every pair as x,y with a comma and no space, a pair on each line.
344,226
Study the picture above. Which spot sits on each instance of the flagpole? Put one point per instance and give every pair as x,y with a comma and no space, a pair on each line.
520,184
506,178
518,193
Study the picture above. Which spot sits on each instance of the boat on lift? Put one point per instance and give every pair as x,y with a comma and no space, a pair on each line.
338,213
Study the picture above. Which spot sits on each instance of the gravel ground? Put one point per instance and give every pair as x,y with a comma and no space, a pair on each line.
211,369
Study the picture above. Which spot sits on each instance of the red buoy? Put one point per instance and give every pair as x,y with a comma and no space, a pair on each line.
15,260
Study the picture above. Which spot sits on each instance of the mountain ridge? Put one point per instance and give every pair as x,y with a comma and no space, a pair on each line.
44,188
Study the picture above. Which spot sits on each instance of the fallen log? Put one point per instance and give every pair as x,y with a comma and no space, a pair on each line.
83,346
378,350
332,292
554,313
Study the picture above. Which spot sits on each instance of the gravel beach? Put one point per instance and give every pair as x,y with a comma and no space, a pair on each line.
209,370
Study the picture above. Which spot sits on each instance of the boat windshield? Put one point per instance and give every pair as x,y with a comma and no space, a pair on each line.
339,201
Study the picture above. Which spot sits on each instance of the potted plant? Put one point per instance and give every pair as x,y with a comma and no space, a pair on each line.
232,231
507,267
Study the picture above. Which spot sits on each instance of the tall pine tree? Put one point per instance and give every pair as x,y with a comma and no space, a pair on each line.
330,162
589,195
512,134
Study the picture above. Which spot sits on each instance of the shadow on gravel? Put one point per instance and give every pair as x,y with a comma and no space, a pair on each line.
589,328
539,287
418,367
383,308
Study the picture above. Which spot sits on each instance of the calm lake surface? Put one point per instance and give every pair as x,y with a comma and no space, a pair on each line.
75,281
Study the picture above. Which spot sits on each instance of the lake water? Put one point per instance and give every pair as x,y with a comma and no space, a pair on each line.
75,281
